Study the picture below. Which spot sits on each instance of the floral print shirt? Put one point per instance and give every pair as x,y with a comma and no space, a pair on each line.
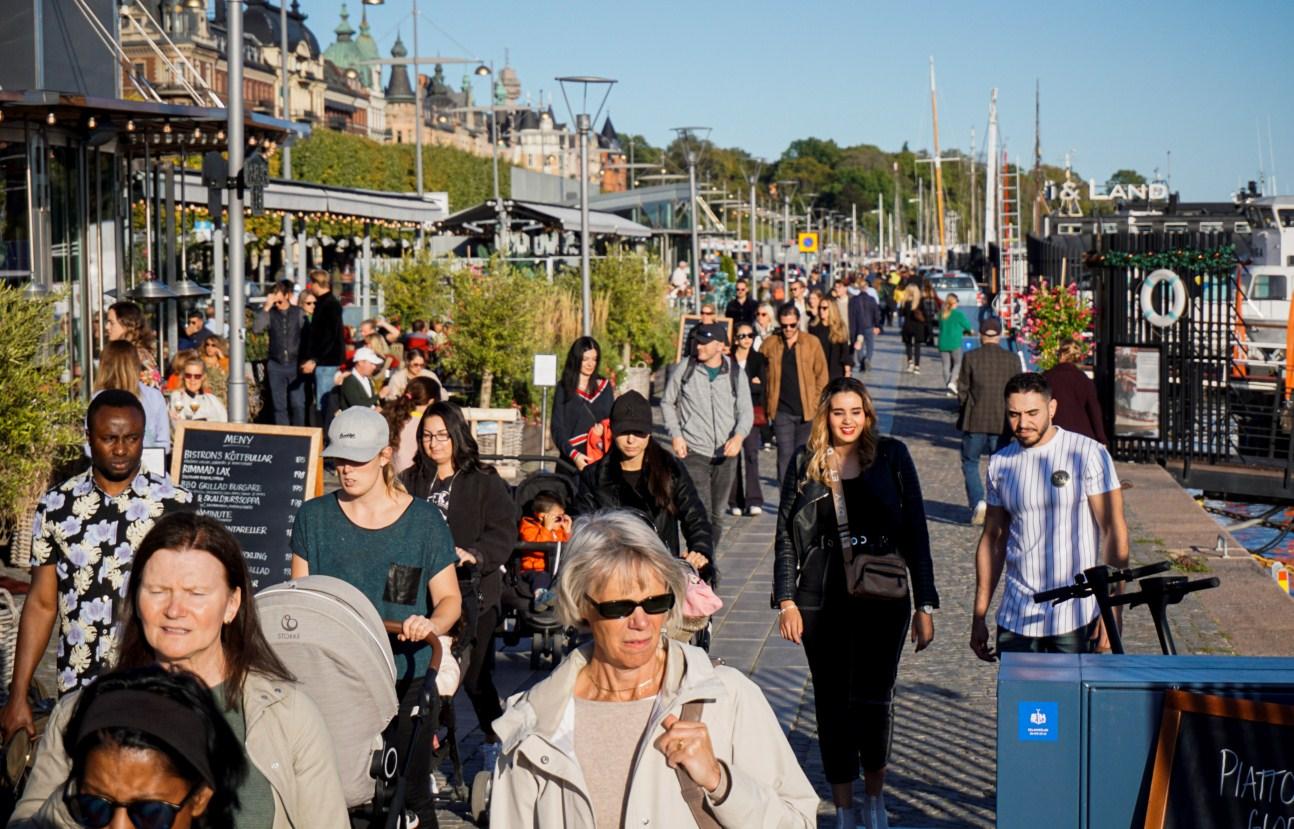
90,538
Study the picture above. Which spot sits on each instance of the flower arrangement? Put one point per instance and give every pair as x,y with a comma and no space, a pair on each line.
1056,315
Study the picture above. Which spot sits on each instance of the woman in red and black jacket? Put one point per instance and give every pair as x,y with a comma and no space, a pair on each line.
583,401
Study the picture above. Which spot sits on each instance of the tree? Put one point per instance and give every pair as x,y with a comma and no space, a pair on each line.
1125,177
496,324
417,289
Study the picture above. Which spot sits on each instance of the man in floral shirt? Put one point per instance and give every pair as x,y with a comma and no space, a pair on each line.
85,534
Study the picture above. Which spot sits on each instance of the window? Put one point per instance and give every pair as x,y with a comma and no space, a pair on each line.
1242,227
1109,227
1175,227
1286,218
1268,286
1069,229
141,70
1210,227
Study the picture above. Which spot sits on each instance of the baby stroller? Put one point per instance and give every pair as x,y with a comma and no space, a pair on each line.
335,643
521,616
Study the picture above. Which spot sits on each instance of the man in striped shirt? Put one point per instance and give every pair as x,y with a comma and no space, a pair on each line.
1055,508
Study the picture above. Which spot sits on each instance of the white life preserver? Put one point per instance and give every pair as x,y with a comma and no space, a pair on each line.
1175,310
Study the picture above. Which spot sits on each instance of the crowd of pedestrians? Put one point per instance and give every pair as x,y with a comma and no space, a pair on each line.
635,725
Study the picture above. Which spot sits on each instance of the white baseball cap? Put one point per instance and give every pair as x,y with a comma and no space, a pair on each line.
357,435
368,355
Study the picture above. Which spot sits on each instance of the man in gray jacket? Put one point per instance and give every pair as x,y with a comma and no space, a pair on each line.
707,413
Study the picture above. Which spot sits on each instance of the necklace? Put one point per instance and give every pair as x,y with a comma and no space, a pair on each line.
655,677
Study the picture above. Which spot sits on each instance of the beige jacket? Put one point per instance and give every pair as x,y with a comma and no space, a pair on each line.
286,739
538,782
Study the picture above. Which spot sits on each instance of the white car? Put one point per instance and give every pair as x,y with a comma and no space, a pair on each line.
969,296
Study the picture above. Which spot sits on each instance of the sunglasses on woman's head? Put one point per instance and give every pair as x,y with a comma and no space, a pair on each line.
620,608
95,812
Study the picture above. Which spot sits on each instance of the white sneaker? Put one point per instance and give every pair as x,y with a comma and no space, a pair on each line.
874,816
845,818
977,516
734,511
410,821
908,368
756,510
952,387
916,369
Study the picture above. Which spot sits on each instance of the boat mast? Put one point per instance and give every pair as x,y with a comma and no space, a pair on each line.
990,176
939,175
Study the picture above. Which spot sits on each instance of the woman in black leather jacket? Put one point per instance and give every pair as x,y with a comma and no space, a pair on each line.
853,644
638,474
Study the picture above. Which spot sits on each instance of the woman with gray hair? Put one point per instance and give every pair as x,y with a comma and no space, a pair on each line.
634,728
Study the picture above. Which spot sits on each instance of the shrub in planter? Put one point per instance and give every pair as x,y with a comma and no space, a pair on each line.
1056,315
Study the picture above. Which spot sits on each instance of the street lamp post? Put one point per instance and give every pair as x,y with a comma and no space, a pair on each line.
787,187
692,144
237,299
583,124
752,178
287,142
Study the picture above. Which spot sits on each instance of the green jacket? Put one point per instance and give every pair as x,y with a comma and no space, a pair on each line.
951,330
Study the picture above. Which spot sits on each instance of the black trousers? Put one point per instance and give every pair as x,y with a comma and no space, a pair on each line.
853,647
478,677
746,491
418,798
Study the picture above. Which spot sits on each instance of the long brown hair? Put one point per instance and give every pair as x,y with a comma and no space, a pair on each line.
131,317
821,461
837,333
246,649
119,367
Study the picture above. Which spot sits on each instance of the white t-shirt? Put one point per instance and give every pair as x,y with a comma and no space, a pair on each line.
1053,534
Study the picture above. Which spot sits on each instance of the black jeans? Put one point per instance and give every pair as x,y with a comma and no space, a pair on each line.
1076,641
418,797
853,647
912,337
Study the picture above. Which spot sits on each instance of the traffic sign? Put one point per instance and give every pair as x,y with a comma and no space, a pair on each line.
809,242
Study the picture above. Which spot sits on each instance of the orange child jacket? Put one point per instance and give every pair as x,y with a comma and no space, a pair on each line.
532,529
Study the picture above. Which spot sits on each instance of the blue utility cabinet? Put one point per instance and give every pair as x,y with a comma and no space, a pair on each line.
1076,733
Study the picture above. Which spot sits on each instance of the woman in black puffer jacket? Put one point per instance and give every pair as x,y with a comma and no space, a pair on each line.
638,474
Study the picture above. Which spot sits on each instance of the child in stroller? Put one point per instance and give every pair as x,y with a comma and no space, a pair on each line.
547,523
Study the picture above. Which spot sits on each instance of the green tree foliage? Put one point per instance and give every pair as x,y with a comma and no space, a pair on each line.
638,324
1125,177
496,319
328,157
40,422
417,289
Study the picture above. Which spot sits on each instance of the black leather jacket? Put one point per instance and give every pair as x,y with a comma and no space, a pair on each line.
601,486
807,537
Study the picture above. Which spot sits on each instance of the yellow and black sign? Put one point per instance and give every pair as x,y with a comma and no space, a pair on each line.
808,243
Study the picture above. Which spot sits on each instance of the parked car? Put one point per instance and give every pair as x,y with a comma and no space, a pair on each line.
969,296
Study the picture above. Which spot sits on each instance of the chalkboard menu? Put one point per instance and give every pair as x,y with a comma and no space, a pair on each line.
686,324
251,478
1222,761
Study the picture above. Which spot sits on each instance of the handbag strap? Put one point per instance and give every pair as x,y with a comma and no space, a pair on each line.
693,794
838,493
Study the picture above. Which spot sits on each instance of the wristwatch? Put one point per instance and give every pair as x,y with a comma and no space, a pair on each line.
927,609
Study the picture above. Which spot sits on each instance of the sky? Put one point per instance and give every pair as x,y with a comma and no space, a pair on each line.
1189,88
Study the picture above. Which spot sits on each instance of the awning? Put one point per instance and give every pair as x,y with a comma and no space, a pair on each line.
472,220
304,197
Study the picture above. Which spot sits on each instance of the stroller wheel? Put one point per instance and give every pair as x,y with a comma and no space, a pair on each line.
462,794
542,653
479,803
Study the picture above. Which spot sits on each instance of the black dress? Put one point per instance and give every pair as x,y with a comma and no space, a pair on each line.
837,354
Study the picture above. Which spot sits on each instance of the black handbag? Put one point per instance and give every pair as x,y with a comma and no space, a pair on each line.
869,575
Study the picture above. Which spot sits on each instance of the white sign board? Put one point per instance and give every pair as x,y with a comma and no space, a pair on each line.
545,370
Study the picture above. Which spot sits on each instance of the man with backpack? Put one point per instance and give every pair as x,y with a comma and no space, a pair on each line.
707,412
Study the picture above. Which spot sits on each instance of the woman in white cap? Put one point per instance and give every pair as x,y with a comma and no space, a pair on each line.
357,389
396,549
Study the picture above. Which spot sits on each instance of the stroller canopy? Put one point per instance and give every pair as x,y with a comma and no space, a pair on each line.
332,639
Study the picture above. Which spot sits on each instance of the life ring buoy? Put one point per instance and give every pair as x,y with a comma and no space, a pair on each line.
1176,308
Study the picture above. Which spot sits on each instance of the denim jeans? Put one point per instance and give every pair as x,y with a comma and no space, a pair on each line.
324,377
975,444
863,356
287,394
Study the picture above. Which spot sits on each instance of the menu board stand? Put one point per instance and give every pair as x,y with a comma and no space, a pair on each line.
252,478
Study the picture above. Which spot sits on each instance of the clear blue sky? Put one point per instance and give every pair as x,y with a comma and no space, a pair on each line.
1122,83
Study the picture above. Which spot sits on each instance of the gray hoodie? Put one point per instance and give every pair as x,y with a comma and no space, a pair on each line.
704,411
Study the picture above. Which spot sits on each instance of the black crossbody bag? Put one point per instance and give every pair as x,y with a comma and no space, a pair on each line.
870,575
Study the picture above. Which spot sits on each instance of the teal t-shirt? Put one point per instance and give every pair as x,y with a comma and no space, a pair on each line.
952,329
390,566
255,795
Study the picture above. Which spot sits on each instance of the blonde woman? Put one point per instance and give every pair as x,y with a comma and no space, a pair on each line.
873,486
119,368
953,325
830,330
192,400
397,550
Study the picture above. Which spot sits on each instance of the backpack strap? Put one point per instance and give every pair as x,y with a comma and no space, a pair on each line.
693,794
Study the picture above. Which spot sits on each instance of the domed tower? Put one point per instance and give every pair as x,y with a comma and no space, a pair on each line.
366,46
400,97
344,52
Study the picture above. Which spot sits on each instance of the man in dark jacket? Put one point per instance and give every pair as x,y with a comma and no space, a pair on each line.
285,322
984,375
325,349
742,307
864,325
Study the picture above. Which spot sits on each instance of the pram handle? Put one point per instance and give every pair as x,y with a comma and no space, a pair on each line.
437,650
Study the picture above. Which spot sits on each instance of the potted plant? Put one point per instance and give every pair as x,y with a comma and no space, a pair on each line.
1055,315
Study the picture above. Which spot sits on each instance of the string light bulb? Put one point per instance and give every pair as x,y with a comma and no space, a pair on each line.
130,126
92,123
49,119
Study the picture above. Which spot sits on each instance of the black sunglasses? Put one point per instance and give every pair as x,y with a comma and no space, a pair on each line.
620,608
745,336
95,812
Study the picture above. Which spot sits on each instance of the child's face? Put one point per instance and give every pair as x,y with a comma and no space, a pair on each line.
553,517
